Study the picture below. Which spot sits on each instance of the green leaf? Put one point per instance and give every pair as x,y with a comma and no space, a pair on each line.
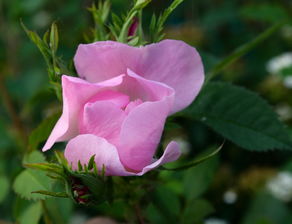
52,194
240,116
34,157
266,209
4,187
91,162
167,204
42,46
31,180
48,167
239,52
60,209
156,26
30,213
140,4
264,12
54,38
42,132
197,179
196,210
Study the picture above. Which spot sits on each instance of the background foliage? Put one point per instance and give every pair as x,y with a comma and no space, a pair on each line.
236,186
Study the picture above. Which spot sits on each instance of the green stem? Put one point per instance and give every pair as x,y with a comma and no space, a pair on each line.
239,52
196,162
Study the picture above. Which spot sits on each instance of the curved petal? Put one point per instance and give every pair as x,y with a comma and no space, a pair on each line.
142,128
176,64
103,60
171,62
119,99
171,153
67,125
103,119
83,147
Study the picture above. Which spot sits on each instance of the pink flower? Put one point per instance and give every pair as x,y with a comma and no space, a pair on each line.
116,110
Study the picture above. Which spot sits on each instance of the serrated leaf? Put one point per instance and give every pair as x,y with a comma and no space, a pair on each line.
240,116
30,180
42,132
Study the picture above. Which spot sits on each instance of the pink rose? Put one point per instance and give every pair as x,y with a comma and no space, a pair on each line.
117,109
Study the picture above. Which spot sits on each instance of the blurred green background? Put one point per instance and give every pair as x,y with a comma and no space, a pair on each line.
237,186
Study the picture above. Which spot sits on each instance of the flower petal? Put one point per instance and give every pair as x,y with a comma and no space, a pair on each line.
83,147
171,153
142,128
103,119
171,62
103,60
76,92
176,64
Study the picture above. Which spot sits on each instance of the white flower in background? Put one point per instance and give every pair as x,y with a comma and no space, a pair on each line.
284,111
288,81
215,221
281,186
277,64
230,197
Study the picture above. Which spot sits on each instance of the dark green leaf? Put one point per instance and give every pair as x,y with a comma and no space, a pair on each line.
240,116
196,210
